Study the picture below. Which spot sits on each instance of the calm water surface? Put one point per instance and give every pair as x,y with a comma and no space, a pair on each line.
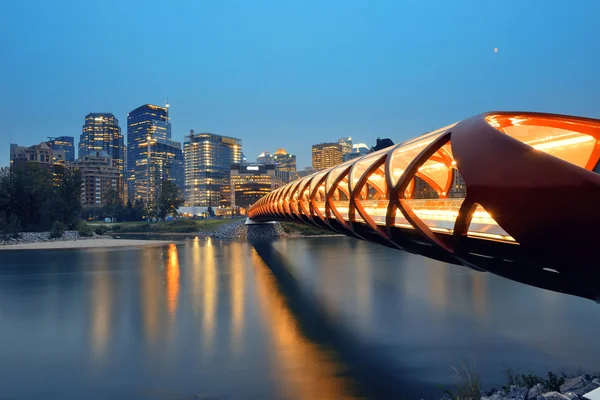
323,318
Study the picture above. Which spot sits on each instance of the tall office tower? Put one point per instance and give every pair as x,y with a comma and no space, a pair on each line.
101,133
151,154
265,158
346,143
65,143
208,159
326,155
285,166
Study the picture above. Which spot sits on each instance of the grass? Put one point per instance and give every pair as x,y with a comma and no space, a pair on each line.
301,229
84,229
177,226
468,386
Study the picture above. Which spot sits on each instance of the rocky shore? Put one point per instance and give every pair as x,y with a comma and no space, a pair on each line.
238,230
42,237
571,389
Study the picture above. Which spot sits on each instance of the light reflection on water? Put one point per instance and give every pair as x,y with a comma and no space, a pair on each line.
207,317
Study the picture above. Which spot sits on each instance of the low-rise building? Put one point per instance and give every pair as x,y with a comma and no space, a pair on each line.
100,174
41,153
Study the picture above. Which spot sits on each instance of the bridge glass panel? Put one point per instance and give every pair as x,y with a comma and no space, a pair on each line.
403,155
435,181
293,198
318,192
334,174
373,196
360,167
339,193
571,141
303,192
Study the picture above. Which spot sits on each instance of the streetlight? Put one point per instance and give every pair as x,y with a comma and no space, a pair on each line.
149,138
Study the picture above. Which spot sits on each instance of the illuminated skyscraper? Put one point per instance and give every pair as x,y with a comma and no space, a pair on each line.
208,159
326,155
151,154
285,166
284,161
101,133
66,143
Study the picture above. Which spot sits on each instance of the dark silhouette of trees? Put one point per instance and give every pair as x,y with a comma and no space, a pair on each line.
33,197
169,200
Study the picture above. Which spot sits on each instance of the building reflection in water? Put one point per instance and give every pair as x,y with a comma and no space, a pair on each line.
150,295
210,293
238,283
479,281
303,370
437,279
101,310
172,271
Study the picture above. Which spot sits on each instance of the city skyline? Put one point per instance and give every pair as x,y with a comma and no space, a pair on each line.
361,70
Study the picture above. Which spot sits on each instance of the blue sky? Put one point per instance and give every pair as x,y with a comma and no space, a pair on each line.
293,73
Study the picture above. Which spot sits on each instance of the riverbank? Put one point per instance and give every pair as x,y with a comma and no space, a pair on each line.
218,228
86,243
527,387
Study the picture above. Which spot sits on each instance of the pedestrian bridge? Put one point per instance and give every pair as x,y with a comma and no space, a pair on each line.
513,193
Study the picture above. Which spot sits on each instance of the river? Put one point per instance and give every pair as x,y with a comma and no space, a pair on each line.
311,318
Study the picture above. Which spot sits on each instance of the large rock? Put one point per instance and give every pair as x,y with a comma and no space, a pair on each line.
588,388
517,393
535,391
573,385
571,396
578,386
552,396
499,395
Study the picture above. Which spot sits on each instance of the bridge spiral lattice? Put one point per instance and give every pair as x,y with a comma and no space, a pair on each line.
513,193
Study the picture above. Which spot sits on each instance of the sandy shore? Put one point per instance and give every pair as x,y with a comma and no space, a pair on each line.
83,244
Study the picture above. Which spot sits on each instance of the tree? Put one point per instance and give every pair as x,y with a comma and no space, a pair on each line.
169,199
112,203
139,210
33,196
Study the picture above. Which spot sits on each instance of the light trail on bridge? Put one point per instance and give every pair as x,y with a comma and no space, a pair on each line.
513,193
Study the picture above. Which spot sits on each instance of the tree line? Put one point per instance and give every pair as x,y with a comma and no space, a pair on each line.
169,200
34,197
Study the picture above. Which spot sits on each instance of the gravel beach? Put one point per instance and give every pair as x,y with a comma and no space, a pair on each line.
83,244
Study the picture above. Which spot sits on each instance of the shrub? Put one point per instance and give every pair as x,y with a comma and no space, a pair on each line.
116,228
100,230
84,229
514,377
58,228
